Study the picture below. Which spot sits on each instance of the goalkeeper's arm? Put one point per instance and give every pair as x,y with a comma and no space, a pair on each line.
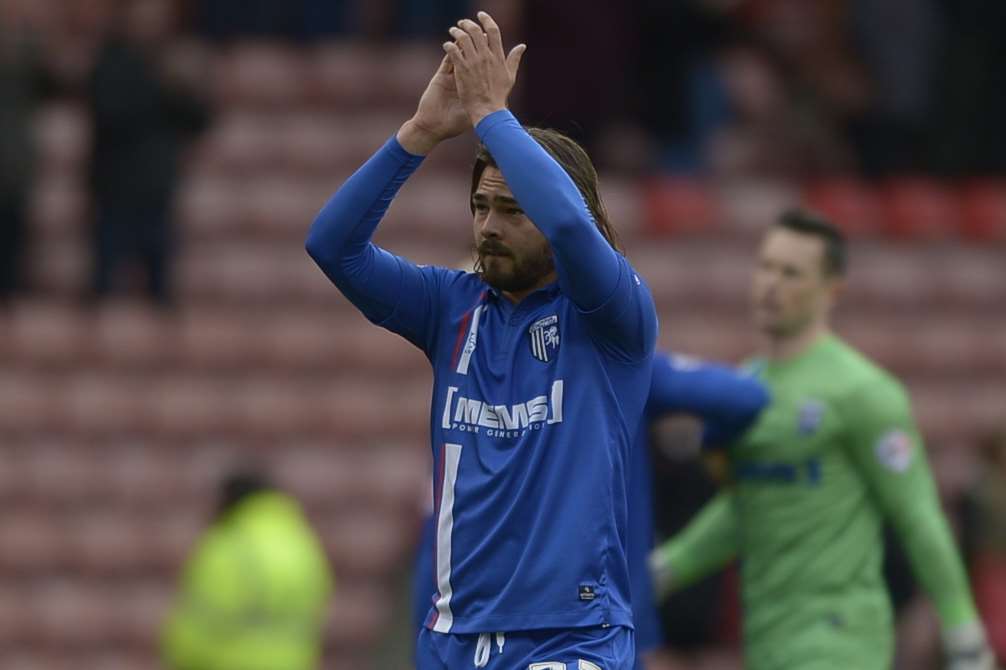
888,452
706,545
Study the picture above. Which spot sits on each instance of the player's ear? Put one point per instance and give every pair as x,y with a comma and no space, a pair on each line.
836,287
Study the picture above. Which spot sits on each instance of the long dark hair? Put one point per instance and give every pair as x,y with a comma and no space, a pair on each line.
575,161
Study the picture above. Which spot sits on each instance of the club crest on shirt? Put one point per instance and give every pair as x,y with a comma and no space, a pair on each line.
543,336
894,450
809,416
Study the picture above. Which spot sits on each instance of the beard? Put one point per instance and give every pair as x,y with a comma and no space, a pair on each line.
503,270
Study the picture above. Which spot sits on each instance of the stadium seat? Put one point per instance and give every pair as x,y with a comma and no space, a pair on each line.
48,334
133,336
344,75
210,209
95,404
34,544
674,205
27,405
748,207
218,340
357,616
623,198
408,68
970,279
239,144
261,75
984,208
885,277
850,203
920,209
62,136
189,407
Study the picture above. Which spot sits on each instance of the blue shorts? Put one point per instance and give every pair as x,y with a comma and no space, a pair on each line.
594,648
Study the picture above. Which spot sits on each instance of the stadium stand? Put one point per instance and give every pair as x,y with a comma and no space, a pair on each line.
115,419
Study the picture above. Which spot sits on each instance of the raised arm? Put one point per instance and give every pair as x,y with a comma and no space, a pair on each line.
598,280
885,446
389,290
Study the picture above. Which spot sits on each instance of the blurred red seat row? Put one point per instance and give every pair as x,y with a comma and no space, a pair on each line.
100,404
909,208
113,623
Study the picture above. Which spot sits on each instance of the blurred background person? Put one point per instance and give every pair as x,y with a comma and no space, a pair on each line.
25,81
145,108
254,592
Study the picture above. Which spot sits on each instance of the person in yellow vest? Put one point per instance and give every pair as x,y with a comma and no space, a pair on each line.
253,594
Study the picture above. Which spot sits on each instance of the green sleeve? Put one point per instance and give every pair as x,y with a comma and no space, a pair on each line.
705,545
885,446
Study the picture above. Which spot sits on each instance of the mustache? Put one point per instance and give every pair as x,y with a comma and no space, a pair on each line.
494,248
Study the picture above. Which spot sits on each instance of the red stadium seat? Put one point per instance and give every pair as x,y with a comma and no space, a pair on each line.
263,75
188,407
408,68
34,544
892,278
28,405
62,137
850,203
984,205
240,143
970,279
345,75
133,335
749,207
676,205
223,340
95,404
48,334
210,208
358,615
920,209
365,543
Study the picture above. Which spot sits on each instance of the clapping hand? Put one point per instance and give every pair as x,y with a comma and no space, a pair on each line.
484,75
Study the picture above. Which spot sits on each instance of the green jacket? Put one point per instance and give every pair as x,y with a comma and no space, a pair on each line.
253,594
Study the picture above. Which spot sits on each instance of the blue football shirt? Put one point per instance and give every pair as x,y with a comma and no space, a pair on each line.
534,405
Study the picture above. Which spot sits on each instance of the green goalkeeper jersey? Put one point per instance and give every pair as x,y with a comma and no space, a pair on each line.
833,457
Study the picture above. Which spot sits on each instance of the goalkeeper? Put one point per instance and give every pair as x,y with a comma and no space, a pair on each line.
834,456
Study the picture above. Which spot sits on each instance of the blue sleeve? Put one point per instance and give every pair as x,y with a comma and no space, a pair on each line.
598,279
727,400
390,291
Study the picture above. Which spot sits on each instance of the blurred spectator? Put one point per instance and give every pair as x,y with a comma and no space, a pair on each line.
774,131
985,541
254,592
145,107
679,95
970,136
899,44
24,81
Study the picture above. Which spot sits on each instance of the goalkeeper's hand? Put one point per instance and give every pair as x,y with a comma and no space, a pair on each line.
661,574
967,649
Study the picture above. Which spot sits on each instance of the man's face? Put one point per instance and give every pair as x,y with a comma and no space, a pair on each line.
790,288
514,255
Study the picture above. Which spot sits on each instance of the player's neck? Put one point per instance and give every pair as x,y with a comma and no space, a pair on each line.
786,347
